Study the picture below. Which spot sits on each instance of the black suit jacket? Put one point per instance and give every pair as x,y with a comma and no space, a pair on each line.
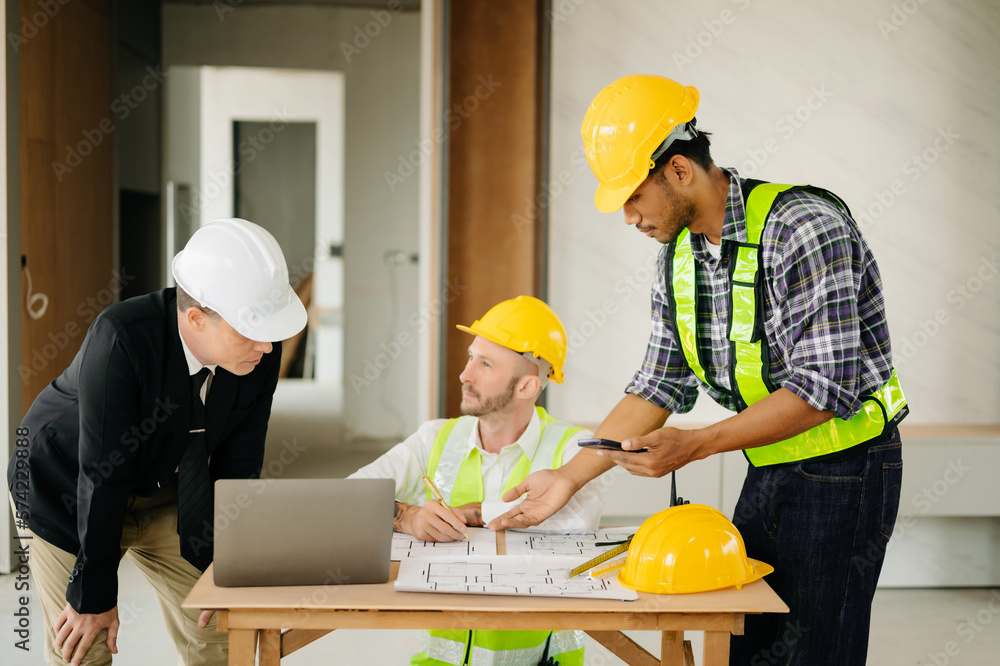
116,422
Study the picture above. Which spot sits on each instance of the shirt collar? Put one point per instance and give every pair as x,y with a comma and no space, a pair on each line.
732,228
194,365
528,441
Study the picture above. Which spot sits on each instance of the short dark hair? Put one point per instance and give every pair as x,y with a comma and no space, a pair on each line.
185,302
697,150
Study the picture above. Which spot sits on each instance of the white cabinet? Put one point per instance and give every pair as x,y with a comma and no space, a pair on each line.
948,527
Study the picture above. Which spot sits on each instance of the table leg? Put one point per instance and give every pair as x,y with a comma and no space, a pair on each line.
672,648
242,647
716,648
270,647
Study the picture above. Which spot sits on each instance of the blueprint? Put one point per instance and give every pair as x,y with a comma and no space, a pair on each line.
482,541
520,575
581,546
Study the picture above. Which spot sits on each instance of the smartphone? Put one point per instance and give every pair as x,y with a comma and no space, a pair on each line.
607,444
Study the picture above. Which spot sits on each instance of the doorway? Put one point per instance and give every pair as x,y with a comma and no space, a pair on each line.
267,145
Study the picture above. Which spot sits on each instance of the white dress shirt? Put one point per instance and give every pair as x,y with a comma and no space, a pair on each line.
407,462
195,366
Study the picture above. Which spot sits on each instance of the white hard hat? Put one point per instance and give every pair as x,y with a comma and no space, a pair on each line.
236,268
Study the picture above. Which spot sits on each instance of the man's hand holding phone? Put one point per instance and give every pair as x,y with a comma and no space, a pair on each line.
606,445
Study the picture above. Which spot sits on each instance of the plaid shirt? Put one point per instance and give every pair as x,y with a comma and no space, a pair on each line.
824,315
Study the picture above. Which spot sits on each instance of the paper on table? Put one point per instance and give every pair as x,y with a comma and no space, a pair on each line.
582,546
482,541
523,575
495,508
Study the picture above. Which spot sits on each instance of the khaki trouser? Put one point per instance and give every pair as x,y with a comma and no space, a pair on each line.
150,541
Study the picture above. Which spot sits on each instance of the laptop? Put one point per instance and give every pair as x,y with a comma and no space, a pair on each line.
302,531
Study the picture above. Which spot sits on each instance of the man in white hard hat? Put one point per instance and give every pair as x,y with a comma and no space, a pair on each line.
116,457
520,345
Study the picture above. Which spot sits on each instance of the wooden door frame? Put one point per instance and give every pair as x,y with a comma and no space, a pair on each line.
10,240
497,130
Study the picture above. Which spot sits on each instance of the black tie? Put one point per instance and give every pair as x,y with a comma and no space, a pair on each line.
194,486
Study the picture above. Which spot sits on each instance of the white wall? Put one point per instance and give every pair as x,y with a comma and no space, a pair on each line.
886,87
378,52
894,105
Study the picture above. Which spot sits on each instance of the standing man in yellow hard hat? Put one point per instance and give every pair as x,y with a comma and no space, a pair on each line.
117,456
520,346
767,298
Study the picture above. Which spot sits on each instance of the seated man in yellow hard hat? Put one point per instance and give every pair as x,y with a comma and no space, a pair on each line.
520,345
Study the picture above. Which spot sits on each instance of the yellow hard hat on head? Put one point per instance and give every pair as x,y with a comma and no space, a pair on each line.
624,126
689,548
525,324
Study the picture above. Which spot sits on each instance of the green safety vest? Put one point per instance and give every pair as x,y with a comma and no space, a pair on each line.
459,477
749,376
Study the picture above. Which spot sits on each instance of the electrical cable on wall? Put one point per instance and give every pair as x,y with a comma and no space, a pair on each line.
35,304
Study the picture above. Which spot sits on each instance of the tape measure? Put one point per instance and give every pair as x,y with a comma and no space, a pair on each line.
607,569
603,557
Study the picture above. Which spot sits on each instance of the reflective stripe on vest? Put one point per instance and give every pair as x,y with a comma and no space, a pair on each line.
458,472
749,375
502,648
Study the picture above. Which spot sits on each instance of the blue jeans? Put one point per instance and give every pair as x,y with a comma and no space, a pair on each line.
824,527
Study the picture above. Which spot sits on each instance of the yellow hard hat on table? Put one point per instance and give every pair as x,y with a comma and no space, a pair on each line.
689,548
526,325
625,125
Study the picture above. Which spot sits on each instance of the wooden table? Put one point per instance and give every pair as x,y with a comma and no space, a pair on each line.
255,615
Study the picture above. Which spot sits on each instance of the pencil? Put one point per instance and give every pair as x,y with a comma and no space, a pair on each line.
440,499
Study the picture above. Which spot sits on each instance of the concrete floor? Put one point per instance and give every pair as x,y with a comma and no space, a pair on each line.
910,627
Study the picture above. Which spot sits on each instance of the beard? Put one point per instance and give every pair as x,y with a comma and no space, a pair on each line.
492,404
684,214
679,213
